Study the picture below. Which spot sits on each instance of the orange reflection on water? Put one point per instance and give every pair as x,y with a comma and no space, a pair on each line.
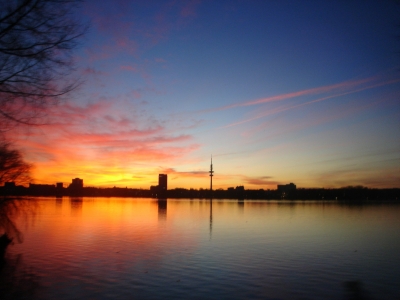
105,230
86,248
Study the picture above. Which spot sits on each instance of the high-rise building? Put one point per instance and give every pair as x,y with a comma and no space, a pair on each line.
162,186
76,187
77,183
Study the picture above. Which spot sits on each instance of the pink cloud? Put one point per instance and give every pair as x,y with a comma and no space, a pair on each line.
95,54
313,120
135,94
340,89
129,68
100,139
318,90
263,181
123,26
331,88
190,9
92,71
193,174
387,178
124,44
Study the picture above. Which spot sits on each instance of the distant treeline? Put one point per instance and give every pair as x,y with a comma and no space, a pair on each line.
346,193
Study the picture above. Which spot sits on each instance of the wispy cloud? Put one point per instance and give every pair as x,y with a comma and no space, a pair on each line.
129,68
310,120
102,140
195,174
92,71
313,91
352,175
333,88
125,30
189,9
262,181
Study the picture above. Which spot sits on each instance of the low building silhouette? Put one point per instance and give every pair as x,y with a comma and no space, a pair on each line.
42,189
240,192
59,189
235,193
9,188
286,190
348,194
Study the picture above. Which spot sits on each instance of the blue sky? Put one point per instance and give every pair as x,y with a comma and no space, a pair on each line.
277,91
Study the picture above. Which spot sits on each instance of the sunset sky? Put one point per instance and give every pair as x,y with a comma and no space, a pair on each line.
276,91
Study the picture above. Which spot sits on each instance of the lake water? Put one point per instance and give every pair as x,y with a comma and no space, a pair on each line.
119,248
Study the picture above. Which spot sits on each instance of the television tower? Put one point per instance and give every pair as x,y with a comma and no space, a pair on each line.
211,174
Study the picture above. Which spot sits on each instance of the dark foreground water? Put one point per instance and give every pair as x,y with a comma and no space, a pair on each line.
110,248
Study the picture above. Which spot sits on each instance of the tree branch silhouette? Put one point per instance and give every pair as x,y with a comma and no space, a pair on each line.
13,168
36,42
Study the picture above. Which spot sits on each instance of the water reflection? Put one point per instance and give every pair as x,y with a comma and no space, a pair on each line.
10,210
211,218
162,209
206,249
355,290
241,204
17,280
59,201
76,205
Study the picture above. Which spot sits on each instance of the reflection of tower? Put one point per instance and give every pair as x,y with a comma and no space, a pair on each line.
162,209
210,218
241,204
76,204
211,176
59,201
162,186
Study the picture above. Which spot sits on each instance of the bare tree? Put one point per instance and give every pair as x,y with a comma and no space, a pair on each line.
13,168
36,42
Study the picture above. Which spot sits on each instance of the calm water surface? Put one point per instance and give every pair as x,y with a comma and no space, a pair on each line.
112,248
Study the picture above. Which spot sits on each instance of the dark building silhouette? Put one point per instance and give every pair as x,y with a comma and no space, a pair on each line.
9,184
162,186
59,188
154,191
42,189
76,183
240,192
236,193
286,189
76,187
9,188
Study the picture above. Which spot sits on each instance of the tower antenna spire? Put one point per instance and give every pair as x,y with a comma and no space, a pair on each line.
211,174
